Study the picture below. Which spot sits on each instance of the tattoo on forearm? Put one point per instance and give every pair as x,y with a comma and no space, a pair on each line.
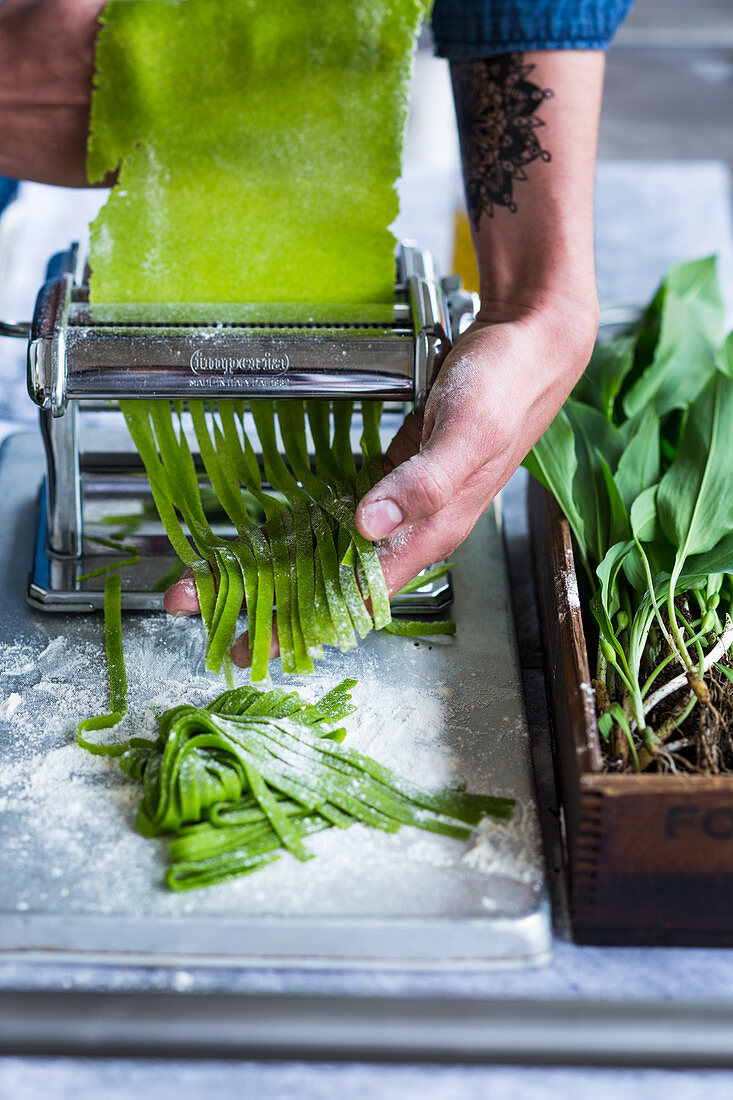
496,108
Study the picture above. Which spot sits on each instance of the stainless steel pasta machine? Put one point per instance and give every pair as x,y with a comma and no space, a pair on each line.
83,359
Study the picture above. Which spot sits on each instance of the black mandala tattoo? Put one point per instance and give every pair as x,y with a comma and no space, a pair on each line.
496,108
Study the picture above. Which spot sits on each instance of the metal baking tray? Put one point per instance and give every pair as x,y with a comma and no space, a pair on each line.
79,883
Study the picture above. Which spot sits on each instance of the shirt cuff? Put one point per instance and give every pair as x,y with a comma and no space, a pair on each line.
472,29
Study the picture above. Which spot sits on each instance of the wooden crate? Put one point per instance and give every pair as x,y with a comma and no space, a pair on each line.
650,858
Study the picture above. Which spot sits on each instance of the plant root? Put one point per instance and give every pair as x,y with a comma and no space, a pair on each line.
699,687
718,651
655,746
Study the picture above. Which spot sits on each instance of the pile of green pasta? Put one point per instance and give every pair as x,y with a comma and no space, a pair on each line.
310,561
253,774
250,776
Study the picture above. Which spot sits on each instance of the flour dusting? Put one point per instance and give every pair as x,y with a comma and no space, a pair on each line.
9,706
504,847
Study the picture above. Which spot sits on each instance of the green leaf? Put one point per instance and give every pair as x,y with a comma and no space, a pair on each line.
660,557
694,500
609,365
685,356
644,516
554,463
646,529
639,465
618,516
607,573
605,724
717,560
595,439
725,360
617,711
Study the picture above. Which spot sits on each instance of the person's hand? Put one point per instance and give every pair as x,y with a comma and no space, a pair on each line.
46,73
496,393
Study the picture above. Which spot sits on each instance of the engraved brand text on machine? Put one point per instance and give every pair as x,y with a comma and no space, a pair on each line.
256,364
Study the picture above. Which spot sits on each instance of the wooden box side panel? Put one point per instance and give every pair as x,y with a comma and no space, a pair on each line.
654,860
567,673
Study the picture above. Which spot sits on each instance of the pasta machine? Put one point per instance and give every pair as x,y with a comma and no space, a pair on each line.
82,359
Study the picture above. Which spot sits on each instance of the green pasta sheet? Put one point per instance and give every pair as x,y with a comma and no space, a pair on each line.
258,142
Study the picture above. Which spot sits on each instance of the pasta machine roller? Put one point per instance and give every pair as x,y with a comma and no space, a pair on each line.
84,359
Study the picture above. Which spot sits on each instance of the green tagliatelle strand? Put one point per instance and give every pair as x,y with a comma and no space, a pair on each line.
115,670
324,579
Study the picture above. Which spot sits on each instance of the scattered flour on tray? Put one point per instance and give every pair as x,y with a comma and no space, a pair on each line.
404,727
16,659
9,706
77,810
508,848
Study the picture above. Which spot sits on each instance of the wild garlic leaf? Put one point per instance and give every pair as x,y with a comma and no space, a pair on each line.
639,465
607,573
659,555
609,365
634,570
725,360
694,499
618,517
594,438
644,516
553,462
692,319
717,560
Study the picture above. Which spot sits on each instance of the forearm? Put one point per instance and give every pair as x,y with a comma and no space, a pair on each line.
528,125
528,128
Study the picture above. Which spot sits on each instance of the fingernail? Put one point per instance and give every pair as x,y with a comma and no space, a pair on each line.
381,518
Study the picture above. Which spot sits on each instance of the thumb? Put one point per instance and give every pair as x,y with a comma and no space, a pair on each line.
419,487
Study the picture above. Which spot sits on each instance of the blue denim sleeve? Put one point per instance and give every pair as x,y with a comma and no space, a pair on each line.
465,29
8,189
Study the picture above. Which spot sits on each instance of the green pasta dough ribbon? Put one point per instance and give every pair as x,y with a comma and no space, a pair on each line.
116,673
257,145
251,776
